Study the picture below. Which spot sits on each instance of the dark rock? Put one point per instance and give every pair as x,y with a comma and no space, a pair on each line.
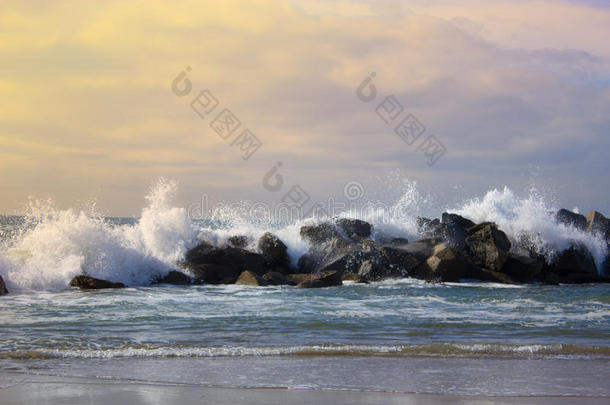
318,233
371,271
299,277
229,262
400,262
354,228
214,273
174,277
597,223
522,268
249,278
446,264
239,241
488,246
577,259
398,241
3,290
455,219
322,279
274,251
90,283
429,228
353,277
277,278
478,273
323,254
570,218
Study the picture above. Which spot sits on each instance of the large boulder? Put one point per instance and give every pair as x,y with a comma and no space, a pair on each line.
455,219
522,268
478,273
322,279
354,228
90,283
274,251
319,233
454,230
446,264
213,265
250,278
429,228
575,260
488,246
174,277
3,290
323,254
598,223
570,218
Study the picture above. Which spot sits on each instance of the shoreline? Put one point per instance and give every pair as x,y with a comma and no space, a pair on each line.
27,388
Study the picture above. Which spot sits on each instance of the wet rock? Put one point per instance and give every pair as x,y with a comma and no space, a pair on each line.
570,218
521,268
299,277
322,279
455,219
214,273
239,241
400,262
353,277
488,246
3,290
228,262
354,228
90,283
429,228
322,255
575,260
421,249
174,277
277,278
478,273
454,230
598,223
446,264
250,278
274,251
318,233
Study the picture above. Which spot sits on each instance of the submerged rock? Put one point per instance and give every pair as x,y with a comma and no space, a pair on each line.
249,278
274,251
322,279
90,283
3,290
354,228
488,246
277,278
570,218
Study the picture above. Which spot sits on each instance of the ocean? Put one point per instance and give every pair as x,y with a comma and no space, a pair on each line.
399,335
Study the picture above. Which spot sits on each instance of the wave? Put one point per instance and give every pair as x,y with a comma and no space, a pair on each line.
51,246
429,350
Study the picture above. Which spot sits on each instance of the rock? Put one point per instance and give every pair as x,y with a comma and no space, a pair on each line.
3,290
323,254
488,246
274,251
318,233
429,228
446,264
174,277
400,263
478,273
90,283
239,241
354,228
371,271
277,278
353,277
228,262
570,218
214,273
322,279
522,268
298,277
249,278
454,230
597,223
575,260
421,249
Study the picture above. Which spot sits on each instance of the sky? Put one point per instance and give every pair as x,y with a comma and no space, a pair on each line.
517,93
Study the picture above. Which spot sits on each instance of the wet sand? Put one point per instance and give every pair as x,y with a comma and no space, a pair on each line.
36,389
